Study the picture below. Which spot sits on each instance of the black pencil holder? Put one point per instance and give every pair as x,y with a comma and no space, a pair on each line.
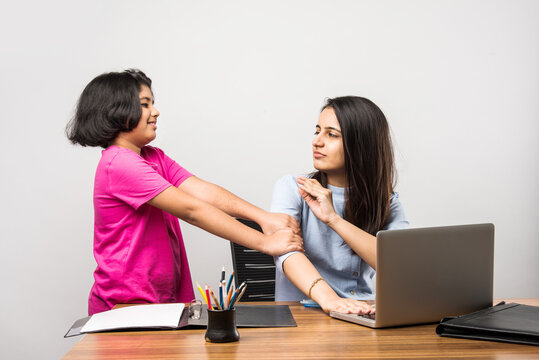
222,326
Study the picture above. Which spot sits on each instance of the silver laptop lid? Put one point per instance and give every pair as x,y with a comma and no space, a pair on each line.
427,273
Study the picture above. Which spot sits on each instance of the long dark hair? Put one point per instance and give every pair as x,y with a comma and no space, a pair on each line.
108,105
368,161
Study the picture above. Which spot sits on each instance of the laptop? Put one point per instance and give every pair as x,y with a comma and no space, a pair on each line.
425,274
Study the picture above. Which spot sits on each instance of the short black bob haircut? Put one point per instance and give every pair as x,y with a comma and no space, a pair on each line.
108,105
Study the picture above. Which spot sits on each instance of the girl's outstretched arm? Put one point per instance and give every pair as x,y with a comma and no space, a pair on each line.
320,201
237,207
208,217
302,273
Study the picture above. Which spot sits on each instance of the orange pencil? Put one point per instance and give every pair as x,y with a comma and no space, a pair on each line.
229,296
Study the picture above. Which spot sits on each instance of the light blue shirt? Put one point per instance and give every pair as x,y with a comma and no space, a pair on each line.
337,263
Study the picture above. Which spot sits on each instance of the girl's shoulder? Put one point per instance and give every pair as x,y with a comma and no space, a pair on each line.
120,159
148,150
115,153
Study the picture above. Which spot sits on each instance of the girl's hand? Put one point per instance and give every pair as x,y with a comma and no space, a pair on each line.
348,306
277,221
318,198
281,242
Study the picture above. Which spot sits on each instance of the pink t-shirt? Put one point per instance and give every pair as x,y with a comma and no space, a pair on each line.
138,248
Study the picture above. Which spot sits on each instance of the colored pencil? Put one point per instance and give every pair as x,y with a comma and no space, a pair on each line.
243,284
215,299
230,281
237,296
208,297
229,297
221,295
201,292
241,294
233,299
236,293
224,294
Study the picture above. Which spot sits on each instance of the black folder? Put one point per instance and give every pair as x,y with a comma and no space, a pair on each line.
513,323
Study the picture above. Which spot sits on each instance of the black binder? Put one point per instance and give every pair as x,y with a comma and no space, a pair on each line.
513,323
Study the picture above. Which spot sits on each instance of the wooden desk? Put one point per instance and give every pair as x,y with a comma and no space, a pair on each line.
317,336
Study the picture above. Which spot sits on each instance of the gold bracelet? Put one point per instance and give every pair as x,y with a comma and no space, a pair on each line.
313,284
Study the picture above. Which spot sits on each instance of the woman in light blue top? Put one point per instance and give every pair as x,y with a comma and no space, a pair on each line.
340,207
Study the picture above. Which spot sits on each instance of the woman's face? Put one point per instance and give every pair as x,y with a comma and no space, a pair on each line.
145,131
328,153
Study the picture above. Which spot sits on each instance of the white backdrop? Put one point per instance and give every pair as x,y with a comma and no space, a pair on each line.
239,85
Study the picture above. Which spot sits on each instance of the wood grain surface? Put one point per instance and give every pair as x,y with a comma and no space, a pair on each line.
317,336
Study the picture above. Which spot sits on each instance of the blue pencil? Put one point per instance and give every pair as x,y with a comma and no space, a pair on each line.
231,305
229,282
236,293
237,296
221,295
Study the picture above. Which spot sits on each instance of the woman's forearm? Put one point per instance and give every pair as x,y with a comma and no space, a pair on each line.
361,242
302,273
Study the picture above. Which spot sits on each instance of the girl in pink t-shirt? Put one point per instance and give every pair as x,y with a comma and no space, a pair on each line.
139,194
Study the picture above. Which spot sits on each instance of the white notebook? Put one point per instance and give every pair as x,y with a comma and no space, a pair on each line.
136,316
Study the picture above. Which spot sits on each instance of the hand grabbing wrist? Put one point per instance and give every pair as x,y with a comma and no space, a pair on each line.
273,222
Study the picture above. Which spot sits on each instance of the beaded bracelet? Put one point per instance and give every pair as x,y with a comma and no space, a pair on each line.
313,284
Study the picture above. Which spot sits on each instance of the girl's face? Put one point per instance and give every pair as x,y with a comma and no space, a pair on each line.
328,151
145,131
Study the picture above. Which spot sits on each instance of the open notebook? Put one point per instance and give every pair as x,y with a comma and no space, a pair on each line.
176,316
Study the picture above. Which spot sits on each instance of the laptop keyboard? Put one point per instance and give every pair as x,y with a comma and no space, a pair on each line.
369,316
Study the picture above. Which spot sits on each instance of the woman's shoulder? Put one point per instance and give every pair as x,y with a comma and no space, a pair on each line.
286,198
394,202
287,179
397,217
286,187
